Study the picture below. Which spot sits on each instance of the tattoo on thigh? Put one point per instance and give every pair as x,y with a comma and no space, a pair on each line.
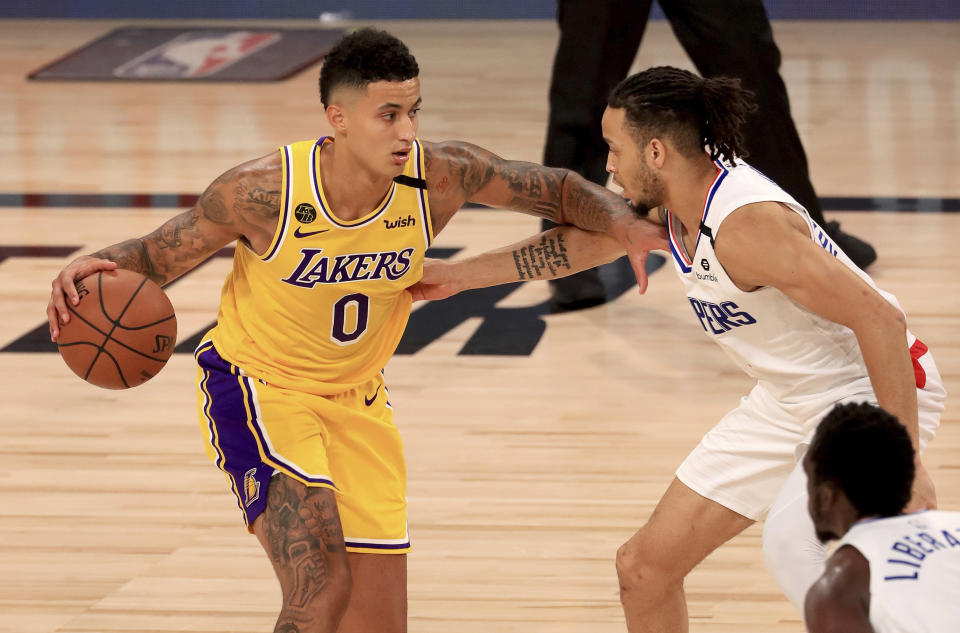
302,527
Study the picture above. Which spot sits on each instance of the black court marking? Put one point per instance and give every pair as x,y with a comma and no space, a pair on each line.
38,339
184,200
503,331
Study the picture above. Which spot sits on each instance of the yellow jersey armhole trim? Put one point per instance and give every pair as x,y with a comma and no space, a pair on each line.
286,188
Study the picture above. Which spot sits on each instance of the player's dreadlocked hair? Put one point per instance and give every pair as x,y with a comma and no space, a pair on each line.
363,57
694,112
868,454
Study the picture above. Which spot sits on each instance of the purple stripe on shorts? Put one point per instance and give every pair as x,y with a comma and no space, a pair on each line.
378,545
236,445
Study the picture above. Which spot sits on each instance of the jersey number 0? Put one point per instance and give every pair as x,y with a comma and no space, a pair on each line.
341,309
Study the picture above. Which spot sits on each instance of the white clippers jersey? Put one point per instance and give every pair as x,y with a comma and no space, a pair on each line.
793,353
914,571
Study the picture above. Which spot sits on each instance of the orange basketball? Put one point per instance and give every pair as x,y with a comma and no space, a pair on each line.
121,333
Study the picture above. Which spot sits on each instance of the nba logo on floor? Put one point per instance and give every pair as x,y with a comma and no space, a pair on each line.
197,54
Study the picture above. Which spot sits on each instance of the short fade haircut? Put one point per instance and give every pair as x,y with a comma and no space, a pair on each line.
363,57
868,454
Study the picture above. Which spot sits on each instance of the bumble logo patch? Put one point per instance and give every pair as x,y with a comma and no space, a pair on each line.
251,487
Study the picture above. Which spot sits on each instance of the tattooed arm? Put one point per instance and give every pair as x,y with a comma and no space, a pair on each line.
559,252
243,203
459,172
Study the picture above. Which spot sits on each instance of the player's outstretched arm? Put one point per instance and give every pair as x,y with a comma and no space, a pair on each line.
559,252
243,203
839,602
459,172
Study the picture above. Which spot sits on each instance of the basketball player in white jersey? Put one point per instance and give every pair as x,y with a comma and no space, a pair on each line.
769,286
890,572
330,233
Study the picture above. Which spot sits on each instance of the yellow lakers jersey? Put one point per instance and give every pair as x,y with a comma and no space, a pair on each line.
323,309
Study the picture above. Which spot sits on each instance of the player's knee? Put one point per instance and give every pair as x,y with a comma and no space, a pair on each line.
642,572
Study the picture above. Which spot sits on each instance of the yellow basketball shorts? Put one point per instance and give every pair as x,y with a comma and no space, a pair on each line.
346,442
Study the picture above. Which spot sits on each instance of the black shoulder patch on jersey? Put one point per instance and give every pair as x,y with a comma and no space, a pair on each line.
417,183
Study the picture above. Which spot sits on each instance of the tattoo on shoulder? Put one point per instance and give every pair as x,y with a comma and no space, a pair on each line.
254,199
549,255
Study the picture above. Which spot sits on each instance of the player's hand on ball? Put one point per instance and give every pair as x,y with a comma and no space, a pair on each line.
63,289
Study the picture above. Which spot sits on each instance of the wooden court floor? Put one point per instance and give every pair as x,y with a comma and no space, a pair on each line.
525,471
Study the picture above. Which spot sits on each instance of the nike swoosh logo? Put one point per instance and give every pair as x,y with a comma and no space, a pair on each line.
369,401
299,233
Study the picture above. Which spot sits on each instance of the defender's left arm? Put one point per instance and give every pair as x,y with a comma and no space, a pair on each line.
764,244
839,602
459,172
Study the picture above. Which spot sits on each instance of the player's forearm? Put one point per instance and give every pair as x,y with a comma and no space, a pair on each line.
169,251
549,255
590,206
131,255
883,343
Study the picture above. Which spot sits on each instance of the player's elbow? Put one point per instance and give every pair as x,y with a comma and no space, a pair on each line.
879,314
892,318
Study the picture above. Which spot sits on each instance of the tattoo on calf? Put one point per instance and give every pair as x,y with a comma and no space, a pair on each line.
549,255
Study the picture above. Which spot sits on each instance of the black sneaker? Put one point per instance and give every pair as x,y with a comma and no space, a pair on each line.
577,292
856,249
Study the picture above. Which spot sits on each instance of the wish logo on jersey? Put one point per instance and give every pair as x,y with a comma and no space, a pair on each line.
720,318
315,269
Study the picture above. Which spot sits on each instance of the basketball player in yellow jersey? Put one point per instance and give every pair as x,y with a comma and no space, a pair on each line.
330,235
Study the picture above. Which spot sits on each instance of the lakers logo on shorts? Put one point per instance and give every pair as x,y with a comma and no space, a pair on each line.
251,487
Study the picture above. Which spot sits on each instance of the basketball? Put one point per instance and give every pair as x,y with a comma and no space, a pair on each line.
121,332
